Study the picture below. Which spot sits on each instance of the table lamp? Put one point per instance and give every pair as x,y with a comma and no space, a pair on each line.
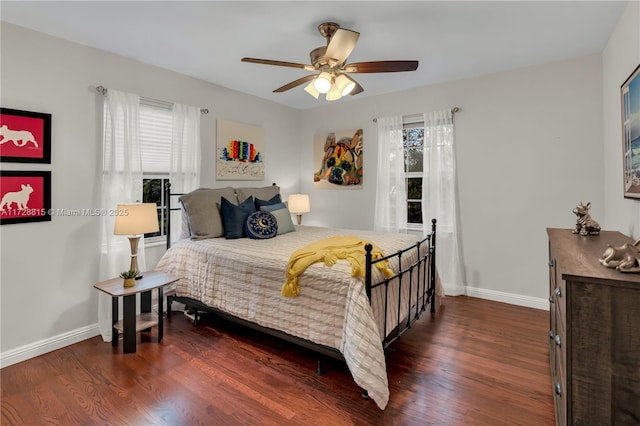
298,204
135,220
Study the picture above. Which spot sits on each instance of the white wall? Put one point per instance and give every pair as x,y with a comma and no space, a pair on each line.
529,147
528,150
49,268
620,58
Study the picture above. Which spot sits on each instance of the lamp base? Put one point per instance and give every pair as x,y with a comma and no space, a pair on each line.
299,217
134,256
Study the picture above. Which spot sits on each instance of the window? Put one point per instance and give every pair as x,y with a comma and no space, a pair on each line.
153,192
155,144
413,140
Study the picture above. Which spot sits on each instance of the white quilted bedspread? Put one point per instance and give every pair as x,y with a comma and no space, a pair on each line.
243,277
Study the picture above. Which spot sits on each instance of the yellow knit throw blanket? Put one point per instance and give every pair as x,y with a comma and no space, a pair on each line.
329,250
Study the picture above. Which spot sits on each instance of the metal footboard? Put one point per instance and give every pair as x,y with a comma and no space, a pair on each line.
425,284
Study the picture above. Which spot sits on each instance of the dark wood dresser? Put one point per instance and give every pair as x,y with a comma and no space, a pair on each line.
594,337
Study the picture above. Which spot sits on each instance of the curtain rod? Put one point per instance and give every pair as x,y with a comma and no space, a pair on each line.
453,111
103,91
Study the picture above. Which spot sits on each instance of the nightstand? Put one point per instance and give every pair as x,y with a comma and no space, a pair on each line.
132,323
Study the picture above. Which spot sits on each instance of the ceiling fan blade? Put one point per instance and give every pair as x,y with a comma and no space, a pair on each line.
295,83
278,63
341,45
381,66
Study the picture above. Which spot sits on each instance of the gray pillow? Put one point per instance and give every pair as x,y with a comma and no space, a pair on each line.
283,218
204,216
185,232
264,193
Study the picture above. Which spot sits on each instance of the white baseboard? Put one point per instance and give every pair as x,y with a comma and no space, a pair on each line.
33,350
511,298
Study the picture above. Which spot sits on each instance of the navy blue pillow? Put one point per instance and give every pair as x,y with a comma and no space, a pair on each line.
273,207
274,200
234,217
261,225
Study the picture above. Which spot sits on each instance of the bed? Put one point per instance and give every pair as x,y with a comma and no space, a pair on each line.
335,313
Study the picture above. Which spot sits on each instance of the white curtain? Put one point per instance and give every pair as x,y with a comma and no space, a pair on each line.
121,183
440,198
184,172
391,191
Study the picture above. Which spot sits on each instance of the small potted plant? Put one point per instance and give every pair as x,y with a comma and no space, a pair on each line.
129,277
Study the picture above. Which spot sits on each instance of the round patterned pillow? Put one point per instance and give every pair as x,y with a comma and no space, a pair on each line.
261,225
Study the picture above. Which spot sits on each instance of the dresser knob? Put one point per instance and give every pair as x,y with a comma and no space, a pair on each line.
551,300
551,336
557,339
558,292
551,263
558,389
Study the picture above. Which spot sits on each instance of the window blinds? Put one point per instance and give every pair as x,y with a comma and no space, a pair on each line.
155,136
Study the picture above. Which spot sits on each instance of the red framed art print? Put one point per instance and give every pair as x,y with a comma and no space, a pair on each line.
25,136
25,196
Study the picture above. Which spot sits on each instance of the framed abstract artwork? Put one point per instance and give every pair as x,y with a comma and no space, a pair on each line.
25,136
25,196
240,151
338,158
630,97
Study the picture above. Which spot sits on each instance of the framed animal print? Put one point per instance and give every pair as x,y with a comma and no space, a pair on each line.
630,97
338,160
25,196
25,136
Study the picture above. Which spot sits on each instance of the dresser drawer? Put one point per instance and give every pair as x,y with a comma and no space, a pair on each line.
552,352
557,287
559,295
560,393
560,353
552,272
552,335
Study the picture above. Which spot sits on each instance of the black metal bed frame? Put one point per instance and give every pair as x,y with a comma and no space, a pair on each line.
424,267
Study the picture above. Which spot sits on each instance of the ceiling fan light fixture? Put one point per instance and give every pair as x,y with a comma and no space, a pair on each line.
334,94
344,84
322,83
328,64
310,89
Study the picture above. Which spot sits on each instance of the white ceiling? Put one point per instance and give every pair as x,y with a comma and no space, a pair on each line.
451,39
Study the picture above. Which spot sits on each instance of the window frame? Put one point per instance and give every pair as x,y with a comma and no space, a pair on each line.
151,105
162,238
412,124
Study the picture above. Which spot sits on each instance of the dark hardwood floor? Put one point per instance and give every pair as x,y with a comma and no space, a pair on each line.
476,362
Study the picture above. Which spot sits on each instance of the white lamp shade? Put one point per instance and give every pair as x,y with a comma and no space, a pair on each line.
345,84
299,203
334,94
322,83
136,219
310,89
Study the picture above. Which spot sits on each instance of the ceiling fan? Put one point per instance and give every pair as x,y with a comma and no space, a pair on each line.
328,64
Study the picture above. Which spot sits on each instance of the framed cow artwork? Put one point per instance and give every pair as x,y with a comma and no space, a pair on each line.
338,160
25,136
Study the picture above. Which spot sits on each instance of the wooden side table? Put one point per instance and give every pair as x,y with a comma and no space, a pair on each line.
132,323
